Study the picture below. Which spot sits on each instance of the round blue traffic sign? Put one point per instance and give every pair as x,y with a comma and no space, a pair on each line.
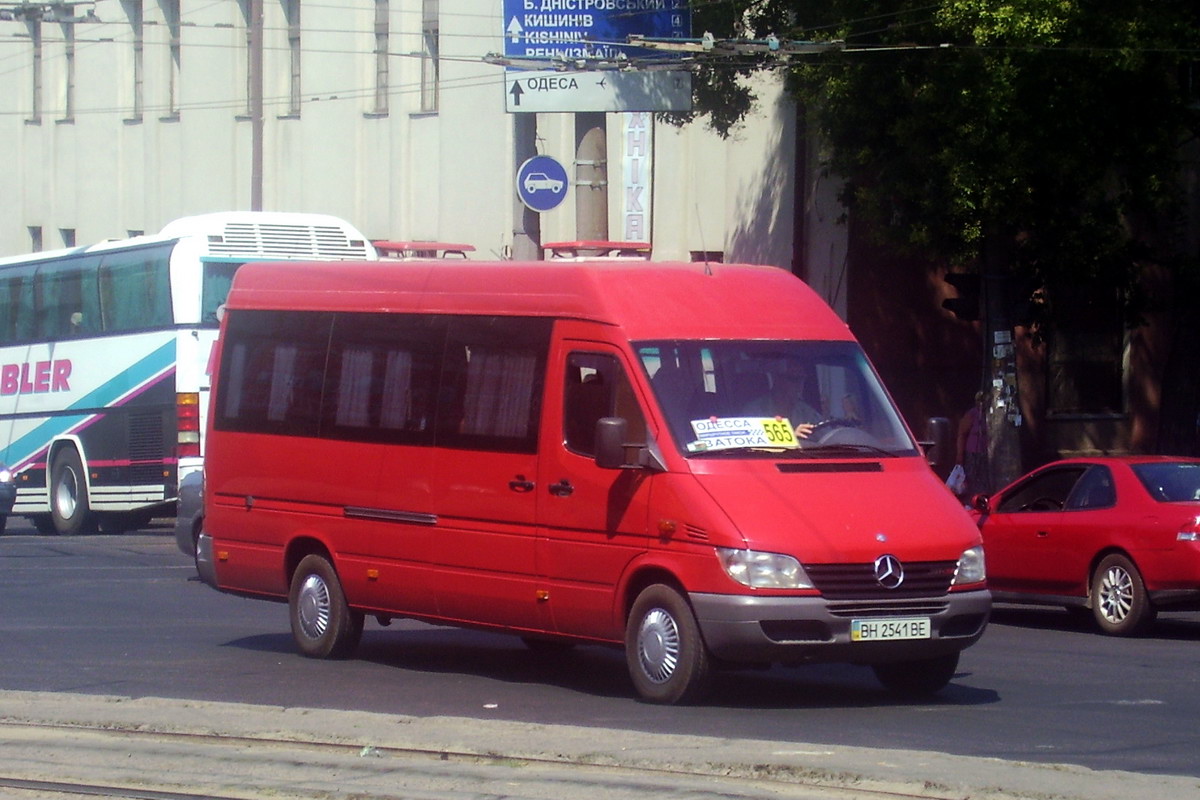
541,183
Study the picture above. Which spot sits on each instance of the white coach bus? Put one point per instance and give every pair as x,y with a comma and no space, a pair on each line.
103,360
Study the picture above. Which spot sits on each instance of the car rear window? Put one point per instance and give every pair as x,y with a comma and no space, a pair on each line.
1170,482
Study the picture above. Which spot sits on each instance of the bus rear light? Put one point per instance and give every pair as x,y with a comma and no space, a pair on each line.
187,423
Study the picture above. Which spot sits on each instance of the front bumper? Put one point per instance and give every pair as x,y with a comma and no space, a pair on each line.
742,628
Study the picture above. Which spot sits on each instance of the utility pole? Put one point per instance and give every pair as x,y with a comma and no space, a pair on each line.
255,79
1000,368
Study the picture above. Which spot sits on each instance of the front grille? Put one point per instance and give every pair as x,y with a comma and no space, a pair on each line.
857,581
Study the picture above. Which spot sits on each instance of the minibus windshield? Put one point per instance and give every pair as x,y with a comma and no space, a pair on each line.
776,398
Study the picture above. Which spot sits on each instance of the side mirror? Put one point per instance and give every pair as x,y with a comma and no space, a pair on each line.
980,503
610,442
939,446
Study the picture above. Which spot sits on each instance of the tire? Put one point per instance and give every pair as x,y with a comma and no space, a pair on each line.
1120,604
3,522
323,625
664,651
69,507
917,678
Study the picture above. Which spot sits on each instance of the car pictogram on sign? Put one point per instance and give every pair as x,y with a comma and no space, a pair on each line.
537,181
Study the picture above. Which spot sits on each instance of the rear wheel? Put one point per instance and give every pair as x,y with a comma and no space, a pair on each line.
323,625
1119,600
69,507
665,653
916,678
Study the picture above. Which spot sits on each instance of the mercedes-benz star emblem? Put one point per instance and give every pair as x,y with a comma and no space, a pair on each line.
889,572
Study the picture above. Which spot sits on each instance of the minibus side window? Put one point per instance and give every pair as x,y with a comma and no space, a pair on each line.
272,372
492,384
382,378
596,386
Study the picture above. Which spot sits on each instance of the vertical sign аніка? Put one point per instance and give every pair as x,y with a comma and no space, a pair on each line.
637,163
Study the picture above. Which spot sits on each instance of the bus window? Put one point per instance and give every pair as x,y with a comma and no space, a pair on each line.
70,299
17,306
214,288
135,289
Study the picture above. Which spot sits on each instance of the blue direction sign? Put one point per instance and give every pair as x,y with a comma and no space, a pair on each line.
574,29
542,183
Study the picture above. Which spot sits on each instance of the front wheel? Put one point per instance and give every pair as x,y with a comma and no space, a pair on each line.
917,678
1119,600
323,624
69,507
664,651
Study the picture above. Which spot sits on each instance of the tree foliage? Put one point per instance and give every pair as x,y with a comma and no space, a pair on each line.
1054,126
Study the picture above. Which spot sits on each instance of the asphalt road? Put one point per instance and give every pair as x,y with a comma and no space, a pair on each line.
124,616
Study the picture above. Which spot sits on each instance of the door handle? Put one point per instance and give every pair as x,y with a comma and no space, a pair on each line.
520,484
562,489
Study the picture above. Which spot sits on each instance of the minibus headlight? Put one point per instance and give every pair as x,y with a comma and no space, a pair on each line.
763,570
971,567
5,474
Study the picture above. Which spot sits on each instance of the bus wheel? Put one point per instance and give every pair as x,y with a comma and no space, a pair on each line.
323,625
665,654
918,678
68,493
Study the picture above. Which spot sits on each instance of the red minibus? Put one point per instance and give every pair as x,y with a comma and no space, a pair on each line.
695,462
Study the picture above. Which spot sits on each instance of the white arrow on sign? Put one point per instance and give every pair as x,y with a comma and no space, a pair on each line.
515,29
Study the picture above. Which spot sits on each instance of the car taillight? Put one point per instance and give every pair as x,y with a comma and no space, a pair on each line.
187,423
1190,532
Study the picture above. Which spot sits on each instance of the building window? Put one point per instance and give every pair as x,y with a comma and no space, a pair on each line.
35,239
430,68
68,236
291,11
35,86
382,31
68,86
170,10
133,8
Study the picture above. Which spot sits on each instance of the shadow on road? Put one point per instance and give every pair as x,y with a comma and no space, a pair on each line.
601,672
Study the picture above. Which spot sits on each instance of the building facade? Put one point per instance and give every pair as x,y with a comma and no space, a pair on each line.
122,115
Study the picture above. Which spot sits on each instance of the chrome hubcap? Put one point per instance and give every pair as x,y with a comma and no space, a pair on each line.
313,607
658,645
66,494
1116,594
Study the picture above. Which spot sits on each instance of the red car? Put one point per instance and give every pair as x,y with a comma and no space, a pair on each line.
1117,535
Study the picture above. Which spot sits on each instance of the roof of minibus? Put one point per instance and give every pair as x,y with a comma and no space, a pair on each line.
648,300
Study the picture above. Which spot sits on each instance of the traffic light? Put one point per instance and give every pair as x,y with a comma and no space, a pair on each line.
966,305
